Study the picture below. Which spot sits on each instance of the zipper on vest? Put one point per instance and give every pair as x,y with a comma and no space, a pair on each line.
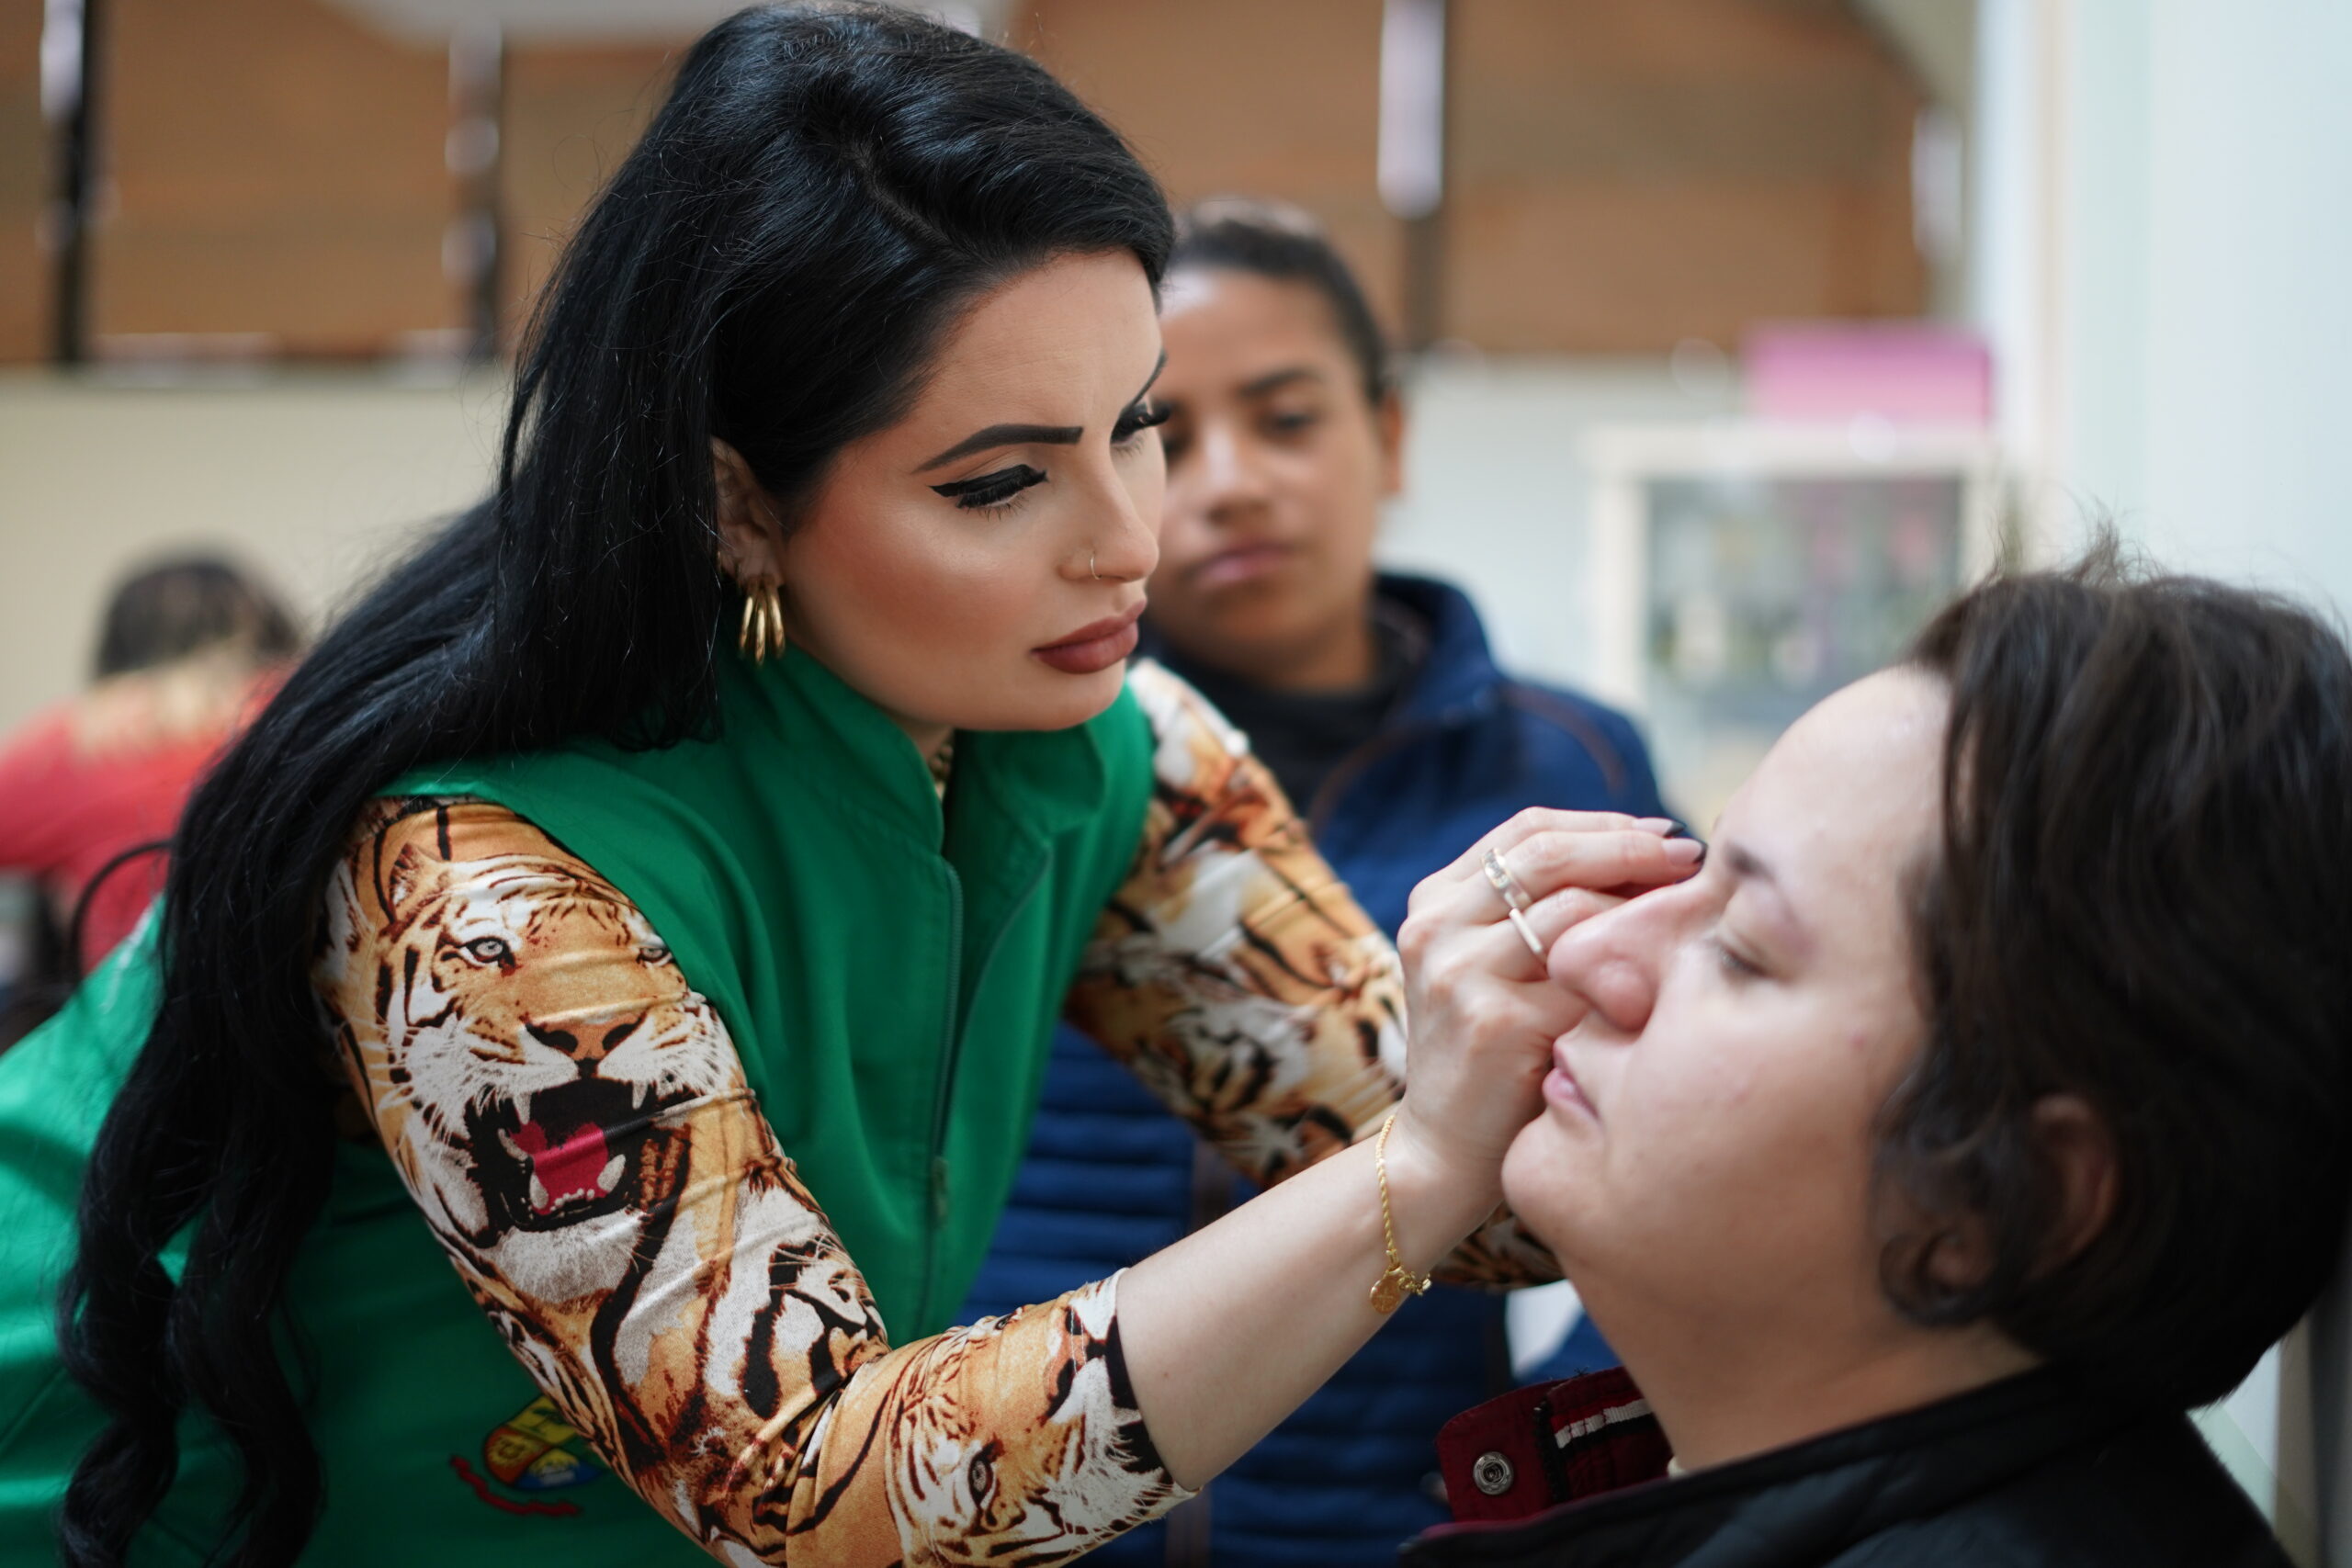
943,1086
943,1194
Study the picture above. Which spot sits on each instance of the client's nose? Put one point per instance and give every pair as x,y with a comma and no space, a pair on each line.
1611,961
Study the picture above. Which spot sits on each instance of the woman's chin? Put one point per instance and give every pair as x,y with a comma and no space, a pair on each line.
1541,1171
1025,705
1069,702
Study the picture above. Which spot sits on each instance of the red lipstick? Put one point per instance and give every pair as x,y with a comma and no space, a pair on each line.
1095,647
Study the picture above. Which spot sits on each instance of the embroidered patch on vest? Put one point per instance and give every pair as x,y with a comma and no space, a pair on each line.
535,1450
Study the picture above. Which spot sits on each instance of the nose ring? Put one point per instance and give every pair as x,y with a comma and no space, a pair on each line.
1090,565
1515,901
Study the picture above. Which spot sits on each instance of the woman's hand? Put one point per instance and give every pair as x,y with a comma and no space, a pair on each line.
1482,1008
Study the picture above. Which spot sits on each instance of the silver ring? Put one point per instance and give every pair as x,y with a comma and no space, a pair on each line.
1514,898
1527,934
1515,902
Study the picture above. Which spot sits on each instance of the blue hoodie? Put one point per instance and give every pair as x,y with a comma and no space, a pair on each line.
1110,1178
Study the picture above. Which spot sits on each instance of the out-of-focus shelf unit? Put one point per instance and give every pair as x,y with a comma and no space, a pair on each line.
1742,571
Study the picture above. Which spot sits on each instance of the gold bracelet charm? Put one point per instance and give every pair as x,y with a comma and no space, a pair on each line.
1389,1291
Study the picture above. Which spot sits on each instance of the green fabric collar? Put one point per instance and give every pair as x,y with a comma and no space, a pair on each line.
1048,781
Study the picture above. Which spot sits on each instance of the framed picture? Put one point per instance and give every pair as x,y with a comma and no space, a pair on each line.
1742,572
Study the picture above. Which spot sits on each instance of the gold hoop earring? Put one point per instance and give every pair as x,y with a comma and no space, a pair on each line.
760,635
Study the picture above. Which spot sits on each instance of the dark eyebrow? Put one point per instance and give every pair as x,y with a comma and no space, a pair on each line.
1274,380
1027,434
1008,435
1746,865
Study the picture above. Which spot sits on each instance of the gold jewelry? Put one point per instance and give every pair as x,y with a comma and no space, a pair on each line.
761,634
1388,1292
942,761
1515,904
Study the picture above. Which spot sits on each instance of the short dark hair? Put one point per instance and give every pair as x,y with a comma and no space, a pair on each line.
2143,896
174,608
1272,239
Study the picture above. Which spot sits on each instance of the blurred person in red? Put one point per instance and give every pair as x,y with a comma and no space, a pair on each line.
189,648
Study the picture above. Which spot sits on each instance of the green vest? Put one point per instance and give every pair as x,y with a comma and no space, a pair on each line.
890,994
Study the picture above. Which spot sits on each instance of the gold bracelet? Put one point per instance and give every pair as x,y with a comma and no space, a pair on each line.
1389,1291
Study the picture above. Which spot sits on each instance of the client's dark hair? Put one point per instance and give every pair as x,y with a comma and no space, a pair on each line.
1274,240
2142,897
825,190
174,608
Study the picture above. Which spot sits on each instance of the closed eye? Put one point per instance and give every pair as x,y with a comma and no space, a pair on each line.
1729,960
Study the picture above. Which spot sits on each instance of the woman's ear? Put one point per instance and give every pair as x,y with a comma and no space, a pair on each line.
750,533
2073,1142
2080,1152
1388,425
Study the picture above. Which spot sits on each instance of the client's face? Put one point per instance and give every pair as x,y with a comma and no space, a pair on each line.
1705,1145
979,565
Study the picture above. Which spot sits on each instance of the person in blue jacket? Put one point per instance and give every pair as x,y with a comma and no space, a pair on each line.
1376,703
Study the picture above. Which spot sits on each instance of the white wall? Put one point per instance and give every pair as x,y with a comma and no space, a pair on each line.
2209,281
311,479
315,479
2194,238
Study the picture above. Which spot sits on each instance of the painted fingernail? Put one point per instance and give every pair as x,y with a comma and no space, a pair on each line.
1656,824
1684,851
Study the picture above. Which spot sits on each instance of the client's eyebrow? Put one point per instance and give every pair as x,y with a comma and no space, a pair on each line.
1748,866
1007,435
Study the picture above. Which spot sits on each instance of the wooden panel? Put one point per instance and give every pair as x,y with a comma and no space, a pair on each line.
1625,176
272,167
1242,96
571,117
25,179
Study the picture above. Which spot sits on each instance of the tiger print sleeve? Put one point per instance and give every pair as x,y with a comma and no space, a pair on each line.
572,1119
1234,974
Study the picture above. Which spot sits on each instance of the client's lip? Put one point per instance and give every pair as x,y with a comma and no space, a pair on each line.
1095,645
1561,1087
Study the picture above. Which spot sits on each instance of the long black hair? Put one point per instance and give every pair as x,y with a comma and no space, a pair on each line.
771,265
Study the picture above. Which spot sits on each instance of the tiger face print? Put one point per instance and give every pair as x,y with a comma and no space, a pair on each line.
529,1028
573,1120
974,1500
